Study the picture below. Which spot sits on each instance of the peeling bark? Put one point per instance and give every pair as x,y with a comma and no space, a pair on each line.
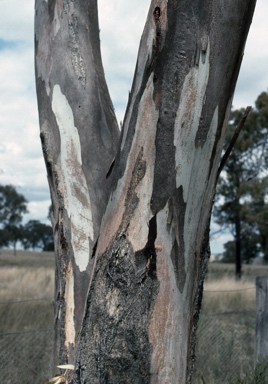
145,291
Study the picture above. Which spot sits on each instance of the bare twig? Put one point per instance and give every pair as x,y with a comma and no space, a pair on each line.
62,379
233,141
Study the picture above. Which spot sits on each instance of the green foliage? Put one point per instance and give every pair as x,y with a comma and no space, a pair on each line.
33,235
12,205
12,208
37,235
242,189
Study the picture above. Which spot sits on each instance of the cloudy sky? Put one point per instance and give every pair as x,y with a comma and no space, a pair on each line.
121,24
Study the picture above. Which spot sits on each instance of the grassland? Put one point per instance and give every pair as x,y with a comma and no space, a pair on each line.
225,342
25,323
226,330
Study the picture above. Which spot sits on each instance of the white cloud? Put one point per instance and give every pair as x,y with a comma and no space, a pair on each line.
253,77
16,20
38,211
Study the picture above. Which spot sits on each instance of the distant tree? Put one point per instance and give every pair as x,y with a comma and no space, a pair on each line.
12,205
37,235
13,234
249,250
241,189
254,215
4,237
12,208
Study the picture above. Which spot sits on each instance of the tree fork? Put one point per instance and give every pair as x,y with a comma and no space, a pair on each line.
150,258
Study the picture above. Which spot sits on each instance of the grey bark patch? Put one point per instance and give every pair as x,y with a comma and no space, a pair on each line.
179,266
176,223
51,7
77,59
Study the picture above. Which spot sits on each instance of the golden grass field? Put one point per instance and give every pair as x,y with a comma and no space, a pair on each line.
222,339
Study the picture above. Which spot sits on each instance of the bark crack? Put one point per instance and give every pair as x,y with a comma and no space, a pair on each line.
149,249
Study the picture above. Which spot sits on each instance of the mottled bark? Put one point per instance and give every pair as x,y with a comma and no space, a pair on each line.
79,136
149,264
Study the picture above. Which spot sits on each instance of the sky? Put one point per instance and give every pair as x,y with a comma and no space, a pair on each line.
121,25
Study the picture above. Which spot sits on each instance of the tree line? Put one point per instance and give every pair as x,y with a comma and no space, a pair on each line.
33,234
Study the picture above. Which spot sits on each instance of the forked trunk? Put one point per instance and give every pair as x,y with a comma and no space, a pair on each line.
150,260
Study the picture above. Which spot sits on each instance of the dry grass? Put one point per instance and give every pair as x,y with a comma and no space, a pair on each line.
220,271
226,330
27,276
227,294
26,259
225,342
18,283
223,293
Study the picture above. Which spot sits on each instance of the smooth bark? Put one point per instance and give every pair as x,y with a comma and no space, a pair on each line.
145,292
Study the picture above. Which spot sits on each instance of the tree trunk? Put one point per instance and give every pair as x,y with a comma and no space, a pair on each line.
238,247
145,292
79,136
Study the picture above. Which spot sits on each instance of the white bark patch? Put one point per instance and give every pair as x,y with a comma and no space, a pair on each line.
145,132
69,302
73,180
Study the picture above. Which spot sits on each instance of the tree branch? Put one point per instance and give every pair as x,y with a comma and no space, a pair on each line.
233,141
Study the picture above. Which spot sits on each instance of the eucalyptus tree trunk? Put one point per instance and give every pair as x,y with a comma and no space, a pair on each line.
79,135
150,210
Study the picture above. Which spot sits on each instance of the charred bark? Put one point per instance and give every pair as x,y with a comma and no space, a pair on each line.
150,260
